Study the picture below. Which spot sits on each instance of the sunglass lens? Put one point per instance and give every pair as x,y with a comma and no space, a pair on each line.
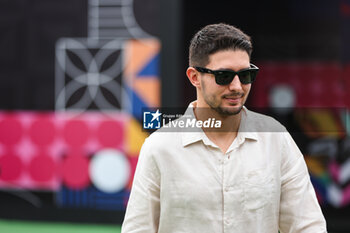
226,77
223,78
247,76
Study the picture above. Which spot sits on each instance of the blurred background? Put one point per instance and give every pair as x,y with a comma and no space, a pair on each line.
75,76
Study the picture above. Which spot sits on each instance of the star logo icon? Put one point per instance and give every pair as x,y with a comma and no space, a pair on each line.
156,115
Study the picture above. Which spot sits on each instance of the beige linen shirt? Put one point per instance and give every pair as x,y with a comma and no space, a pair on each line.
184,183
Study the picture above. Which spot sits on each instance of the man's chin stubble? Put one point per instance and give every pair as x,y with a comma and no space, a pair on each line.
227,111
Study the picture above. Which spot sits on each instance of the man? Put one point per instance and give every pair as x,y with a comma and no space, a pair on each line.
248,176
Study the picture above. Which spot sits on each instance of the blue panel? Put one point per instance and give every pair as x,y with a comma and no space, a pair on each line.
151,68
137,104
93,198
319,186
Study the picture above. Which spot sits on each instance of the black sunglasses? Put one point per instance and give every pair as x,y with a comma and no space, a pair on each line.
224,77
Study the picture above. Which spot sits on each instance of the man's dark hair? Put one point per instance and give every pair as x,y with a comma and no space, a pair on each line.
216,37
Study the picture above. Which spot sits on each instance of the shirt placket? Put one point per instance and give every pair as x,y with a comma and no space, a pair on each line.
225,193
227,186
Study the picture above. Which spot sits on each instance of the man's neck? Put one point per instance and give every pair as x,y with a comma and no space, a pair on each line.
224,136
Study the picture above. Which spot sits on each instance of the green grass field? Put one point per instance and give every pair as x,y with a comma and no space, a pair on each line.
9,226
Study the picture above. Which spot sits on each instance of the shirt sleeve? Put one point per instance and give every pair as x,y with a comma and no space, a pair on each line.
299,208
142,213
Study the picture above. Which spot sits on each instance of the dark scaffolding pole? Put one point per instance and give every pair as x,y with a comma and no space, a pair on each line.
171,54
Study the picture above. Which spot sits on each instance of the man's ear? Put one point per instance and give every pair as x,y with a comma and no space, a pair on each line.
193,76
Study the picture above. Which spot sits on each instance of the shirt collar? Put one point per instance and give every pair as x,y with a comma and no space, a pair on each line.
245,130
192,137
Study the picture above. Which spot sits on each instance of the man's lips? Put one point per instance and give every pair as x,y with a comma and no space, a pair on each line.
233,101
233,98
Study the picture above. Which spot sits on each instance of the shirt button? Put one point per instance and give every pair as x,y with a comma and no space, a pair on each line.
227,222
227,189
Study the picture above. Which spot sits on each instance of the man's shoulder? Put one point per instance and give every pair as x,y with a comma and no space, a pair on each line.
263,123
163,138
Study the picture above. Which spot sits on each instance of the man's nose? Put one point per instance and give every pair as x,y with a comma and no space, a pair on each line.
235,84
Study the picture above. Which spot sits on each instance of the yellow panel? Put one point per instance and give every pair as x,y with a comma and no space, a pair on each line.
319,123
135,137
315,166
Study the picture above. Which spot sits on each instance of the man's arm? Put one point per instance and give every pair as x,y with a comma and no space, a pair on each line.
142,213
299,208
